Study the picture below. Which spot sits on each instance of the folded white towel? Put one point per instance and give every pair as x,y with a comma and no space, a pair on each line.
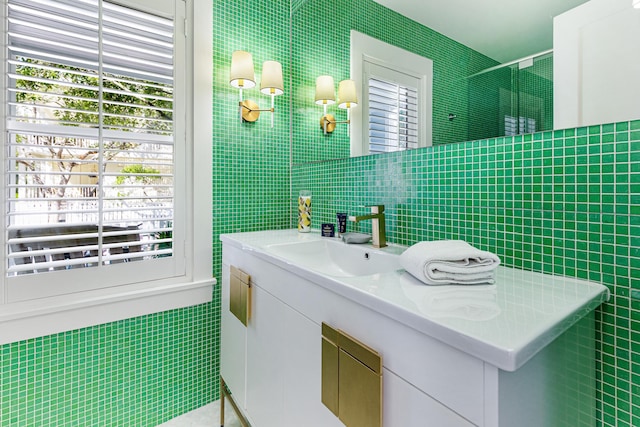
444,262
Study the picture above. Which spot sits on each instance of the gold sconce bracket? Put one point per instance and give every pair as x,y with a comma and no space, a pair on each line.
328,123
250,110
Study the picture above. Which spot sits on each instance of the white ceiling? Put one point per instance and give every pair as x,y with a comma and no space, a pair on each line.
501,29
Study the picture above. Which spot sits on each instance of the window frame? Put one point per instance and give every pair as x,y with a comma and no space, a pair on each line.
366,49
27,314
25,287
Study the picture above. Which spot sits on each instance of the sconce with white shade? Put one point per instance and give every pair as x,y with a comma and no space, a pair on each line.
636,4
325,95
243,77
347,96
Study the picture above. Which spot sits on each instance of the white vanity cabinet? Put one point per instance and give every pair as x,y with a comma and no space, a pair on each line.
273,365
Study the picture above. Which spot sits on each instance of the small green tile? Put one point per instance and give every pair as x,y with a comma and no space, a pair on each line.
608,128
622,126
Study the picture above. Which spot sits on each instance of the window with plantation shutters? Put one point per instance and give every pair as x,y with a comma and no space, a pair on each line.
102,105
395,87
90,135
93,142
393,116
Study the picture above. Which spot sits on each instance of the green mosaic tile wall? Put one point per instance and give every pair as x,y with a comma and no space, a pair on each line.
320,45
561,202
135,372
296,4
251,173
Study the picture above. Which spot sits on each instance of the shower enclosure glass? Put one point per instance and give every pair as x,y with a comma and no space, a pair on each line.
512,98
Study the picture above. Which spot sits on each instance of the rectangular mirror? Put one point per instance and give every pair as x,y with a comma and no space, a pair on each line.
473,96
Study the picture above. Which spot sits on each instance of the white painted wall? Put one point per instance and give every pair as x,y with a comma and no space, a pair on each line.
597,64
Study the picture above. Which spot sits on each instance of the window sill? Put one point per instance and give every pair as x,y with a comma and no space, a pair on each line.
30,319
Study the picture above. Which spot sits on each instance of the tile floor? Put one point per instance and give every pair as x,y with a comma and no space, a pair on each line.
207,416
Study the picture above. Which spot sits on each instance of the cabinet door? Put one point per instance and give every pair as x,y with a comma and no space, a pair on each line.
265,359
302,381
233,346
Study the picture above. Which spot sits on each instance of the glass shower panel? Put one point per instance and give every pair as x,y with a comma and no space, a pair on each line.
535,96
511,99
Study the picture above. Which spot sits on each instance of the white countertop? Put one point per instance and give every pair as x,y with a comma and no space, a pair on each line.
503,324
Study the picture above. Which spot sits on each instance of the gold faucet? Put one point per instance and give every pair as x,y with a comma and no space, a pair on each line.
377,225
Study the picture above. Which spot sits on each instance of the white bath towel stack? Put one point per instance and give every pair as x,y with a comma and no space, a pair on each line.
449,262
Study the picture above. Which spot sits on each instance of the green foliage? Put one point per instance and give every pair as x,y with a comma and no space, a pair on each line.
127,103
138,173
70,95
164,245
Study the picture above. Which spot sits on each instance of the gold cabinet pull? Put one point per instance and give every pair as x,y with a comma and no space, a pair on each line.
240,295
351,379
330,358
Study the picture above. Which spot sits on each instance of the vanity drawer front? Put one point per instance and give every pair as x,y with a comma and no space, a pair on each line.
449,376
405,405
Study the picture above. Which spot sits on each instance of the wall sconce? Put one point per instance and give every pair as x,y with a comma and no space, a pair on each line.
636,4
243,77
325,95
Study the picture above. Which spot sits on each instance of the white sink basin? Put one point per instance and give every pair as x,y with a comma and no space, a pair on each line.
335,258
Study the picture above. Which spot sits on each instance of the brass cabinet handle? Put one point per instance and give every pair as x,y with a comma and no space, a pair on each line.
330,358
351,379
362,353
240,295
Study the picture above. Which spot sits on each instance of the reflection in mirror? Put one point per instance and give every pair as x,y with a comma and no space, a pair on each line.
473,97
396,87
512,98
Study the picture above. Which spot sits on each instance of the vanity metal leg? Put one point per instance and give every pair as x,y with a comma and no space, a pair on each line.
222,393
226,393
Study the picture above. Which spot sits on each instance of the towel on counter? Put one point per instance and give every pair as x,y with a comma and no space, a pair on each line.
449,262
